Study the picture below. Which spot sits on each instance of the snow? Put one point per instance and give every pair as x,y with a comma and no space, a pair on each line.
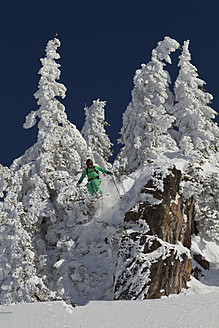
209,250
190,311
70,251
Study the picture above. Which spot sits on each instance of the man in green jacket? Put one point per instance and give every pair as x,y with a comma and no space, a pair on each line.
94,181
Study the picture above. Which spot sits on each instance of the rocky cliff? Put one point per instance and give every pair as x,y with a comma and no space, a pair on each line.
154,258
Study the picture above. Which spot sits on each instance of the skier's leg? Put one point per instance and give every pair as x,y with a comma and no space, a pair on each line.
90,188
96,186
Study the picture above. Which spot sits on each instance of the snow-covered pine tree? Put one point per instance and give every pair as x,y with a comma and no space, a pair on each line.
5,175
60,150
18,274
19,279
40,193
208,204
95,134
54,128
198,141
198,133
146,120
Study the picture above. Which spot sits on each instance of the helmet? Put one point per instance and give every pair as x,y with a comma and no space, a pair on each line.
89,162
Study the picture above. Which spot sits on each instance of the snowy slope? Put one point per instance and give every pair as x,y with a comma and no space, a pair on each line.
100,238
175,312
83,260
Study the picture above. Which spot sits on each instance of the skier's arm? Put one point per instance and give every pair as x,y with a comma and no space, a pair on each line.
82,176
98,168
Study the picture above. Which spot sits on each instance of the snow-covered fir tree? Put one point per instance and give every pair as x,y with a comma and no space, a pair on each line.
202,182
146,120
41,189
198,134
18,275
95,134
5,174
208,204
198,141
54,128
19,279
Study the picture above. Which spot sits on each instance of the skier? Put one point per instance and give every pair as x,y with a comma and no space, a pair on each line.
94,180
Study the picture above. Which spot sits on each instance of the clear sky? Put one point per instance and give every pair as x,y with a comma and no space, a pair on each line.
102,44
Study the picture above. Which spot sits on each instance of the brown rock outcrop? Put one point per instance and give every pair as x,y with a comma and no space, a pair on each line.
154,259
173,219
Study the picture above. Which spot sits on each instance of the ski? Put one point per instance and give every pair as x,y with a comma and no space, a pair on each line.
92,200
101,197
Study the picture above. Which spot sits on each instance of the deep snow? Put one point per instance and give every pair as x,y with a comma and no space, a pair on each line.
189,311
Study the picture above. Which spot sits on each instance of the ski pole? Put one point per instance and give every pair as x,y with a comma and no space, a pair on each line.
116,186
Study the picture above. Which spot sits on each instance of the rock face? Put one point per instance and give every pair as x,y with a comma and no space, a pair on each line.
154,257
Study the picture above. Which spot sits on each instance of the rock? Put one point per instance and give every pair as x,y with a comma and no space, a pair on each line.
156,261
170,275
173,219
204,263
150,268
197,273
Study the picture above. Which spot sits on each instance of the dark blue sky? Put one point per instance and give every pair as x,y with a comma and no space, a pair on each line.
103,43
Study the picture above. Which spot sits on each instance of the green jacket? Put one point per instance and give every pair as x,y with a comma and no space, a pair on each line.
91,173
